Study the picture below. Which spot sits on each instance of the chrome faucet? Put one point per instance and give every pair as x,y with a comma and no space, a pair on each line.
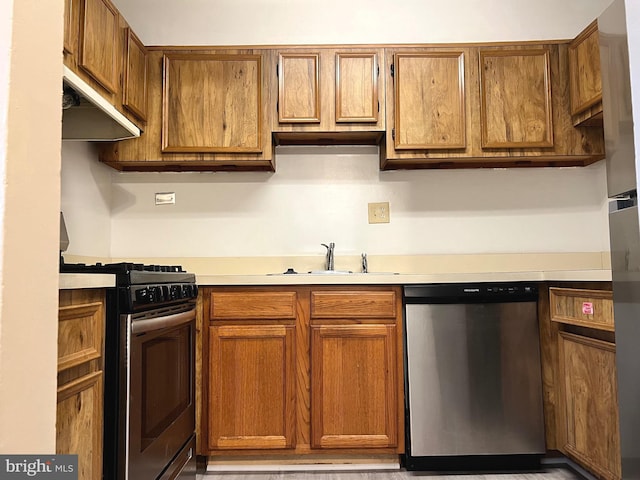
328,262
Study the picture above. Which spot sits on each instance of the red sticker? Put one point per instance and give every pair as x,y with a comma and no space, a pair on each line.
587,308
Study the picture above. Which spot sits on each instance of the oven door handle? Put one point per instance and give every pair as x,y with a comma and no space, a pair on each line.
168,321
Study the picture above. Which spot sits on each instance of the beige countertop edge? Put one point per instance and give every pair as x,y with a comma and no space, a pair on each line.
70,281
395,279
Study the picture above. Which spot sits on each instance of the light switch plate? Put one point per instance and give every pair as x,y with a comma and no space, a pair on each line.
379,212
166,198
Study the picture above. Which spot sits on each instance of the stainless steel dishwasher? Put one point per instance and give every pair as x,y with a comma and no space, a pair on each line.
472,377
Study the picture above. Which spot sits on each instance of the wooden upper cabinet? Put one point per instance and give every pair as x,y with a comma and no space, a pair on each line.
99,48
584,73
354,386
70,39
329,90
515,98
212,103
357,87
429,100
134,83
251,387
299,88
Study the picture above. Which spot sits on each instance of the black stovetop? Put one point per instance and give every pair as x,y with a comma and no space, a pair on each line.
128,273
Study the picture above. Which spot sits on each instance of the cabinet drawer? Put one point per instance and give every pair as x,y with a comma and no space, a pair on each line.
253,305
353,304
79,334
587,308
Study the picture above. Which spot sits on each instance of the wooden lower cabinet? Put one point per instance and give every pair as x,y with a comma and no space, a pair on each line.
353,386
79,417
251,387
280,381
588,392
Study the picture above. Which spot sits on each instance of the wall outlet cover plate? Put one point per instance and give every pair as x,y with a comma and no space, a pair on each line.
379,212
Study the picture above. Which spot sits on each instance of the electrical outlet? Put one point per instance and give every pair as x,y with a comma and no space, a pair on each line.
379,212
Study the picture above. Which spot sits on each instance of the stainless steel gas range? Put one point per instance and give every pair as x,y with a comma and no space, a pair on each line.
149,402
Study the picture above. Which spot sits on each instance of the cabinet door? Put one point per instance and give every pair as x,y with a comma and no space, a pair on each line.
515,98
353,386
589,397
429,100
99,45
79,423
299,88
70,43
584,70
251,387
134,88
357,87
212,103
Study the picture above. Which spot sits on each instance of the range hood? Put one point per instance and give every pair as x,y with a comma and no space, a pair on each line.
89,117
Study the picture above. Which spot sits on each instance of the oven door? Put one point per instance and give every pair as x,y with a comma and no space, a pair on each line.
160,386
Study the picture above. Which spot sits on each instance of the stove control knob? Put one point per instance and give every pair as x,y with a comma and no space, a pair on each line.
157,294
186,291
143,295
176,292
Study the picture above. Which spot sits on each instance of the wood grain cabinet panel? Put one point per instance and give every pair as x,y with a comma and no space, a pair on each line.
584,70
429,100
70,39
353,304
589,402
79,334
353,386
79,423
251,387
253,305
79,418
299,88
134,84
329,95
515,98
212,103
587,308
327,381
99,49
357,87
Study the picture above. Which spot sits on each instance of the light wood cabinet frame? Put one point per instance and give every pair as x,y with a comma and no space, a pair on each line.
99,30
80,334
345,80
441,79
134,82
329,378
206,127
589,407
584,70
79,423
232,424
305,83
495,86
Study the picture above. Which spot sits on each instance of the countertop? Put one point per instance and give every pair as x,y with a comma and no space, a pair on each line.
70,281
403,279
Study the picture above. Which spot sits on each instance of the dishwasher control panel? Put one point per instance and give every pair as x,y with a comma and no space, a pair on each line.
465,292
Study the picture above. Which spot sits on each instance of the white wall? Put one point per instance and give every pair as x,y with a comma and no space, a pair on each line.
86,200
632,8
254,22
320,194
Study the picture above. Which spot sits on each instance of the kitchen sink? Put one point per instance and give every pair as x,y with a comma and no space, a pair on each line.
291,271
